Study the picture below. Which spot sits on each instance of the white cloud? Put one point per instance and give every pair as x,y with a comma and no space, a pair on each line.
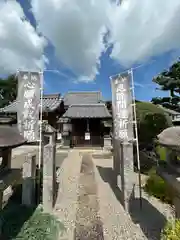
76,29
139,30
144,28
20,46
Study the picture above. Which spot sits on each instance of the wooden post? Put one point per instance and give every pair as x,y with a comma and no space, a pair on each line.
1,199
6,158
29,175
49,177
127,178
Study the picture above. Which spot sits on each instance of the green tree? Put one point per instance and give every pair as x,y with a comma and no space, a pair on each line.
169,81
8,90
151,120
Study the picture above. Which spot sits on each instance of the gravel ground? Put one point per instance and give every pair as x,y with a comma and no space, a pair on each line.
67,200
138,224
87,200
88,223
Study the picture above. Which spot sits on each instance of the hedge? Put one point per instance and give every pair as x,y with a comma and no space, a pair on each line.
157,187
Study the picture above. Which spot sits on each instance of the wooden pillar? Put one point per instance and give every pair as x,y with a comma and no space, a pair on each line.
176,202
6,158
29,175
1,199
49,177
87,129
126,183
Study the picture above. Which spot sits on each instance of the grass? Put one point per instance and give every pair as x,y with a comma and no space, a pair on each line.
157,187
19,222
171,230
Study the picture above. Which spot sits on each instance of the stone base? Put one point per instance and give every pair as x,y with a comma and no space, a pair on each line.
174,185
123,156
107,143
127,192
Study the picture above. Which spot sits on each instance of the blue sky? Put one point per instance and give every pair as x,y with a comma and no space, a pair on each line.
145,89
65,79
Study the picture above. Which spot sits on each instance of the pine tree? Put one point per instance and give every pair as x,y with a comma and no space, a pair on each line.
169,81
8,90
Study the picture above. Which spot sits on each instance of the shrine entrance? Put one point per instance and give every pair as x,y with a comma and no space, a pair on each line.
87,132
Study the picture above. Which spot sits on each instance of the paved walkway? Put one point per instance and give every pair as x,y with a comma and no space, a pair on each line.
88,204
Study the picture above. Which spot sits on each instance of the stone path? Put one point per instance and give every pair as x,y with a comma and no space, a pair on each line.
88,203
88,223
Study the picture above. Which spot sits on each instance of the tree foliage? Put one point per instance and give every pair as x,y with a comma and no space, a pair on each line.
151,120
8,90
169,80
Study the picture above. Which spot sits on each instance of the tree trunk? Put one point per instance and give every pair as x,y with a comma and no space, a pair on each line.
172,92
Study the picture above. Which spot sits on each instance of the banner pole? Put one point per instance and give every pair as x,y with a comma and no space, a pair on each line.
137,142
41,118
40,138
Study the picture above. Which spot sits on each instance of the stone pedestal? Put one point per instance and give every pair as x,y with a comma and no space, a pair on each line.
107,142
170,177
49,176
29,175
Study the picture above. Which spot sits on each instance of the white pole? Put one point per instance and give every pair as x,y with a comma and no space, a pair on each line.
137,142
40,138
41,110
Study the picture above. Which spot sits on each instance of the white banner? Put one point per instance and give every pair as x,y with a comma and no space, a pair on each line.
29,84
122,107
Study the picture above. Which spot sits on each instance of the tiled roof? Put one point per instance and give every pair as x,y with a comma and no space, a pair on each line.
87,111
50,103
82,98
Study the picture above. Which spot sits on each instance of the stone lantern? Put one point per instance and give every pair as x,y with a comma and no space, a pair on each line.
9,138
170,171
49,134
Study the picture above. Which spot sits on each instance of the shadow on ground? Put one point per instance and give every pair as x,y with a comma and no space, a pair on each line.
13,216
102,156
60,157
109,176
150,220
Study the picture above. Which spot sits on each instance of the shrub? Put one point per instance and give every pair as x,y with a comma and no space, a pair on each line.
161,152
171,230
151,120
157,187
